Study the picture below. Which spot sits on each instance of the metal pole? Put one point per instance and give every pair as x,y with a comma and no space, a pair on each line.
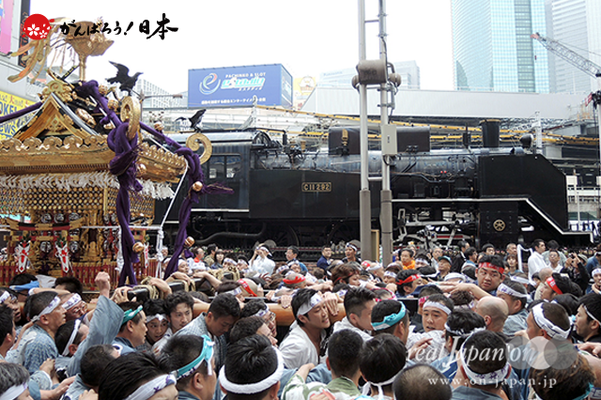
597,107
386,193
539,133
577,201
364,194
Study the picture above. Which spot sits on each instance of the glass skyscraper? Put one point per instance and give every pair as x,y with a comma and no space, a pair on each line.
492,48
575,24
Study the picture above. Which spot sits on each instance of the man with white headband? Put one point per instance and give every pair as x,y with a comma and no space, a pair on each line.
350,253
37,344
435,313
179,307
9,299
157,322
549,320
13,382
482,367
380,361
516,297
258,308
74,306
253,369
460,325
68,338
304,341
390,274
343,362
191,357
588,318
136,376
260,263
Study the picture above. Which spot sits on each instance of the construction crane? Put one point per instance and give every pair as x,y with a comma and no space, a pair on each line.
582,64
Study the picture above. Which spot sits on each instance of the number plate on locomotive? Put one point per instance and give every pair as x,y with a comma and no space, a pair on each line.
316,186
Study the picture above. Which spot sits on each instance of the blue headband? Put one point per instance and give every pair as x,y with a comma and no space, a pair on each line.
390,320
205,355
130,314
27,286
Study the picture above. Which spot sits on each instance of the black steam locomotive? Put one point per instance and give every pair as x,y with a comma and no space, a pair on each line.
297,195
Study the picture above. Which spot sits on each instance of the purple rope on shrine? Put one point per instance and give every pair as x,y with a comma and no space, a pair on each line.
193,174
123,165
20,113
90,89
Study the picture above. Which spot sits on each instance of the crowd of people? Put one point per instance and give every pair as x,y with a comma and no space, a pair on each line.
434,324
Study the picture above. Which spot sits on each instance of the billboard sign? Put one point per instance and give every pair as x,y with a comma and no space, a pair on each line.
303,87
6,22
238,86
8,105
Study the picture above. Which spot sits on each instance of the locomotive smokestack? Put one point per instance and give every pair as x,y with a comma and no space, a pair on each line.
490,132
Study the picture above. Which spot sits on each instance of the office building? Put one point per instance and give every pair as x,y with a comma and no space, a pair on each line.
492,48
575,24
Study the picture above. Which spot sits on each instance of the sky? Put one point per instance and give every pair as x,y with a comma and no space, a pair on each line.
308,37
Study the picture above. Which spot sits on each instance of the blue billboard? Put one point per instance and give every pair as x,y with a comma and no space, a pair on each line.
237,86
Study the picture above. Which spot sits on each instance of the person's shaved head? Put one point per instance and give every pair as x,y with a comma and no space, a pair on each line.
494,310
422,382
545,273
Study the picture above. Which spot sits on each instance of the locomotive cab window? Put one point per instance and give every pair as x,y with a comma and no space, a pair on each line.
224,167
233,166
217,168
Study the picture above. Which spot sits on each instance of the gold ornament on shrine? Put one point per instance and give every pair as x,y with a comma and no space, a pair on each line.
138,247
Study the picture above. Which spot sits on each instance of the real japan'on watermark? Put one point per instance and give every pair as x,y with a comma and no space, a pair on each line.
521,353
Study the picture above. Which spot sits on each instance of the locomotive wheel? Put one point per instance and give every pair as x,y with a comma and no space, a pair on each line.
343,232
283,235
499,225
